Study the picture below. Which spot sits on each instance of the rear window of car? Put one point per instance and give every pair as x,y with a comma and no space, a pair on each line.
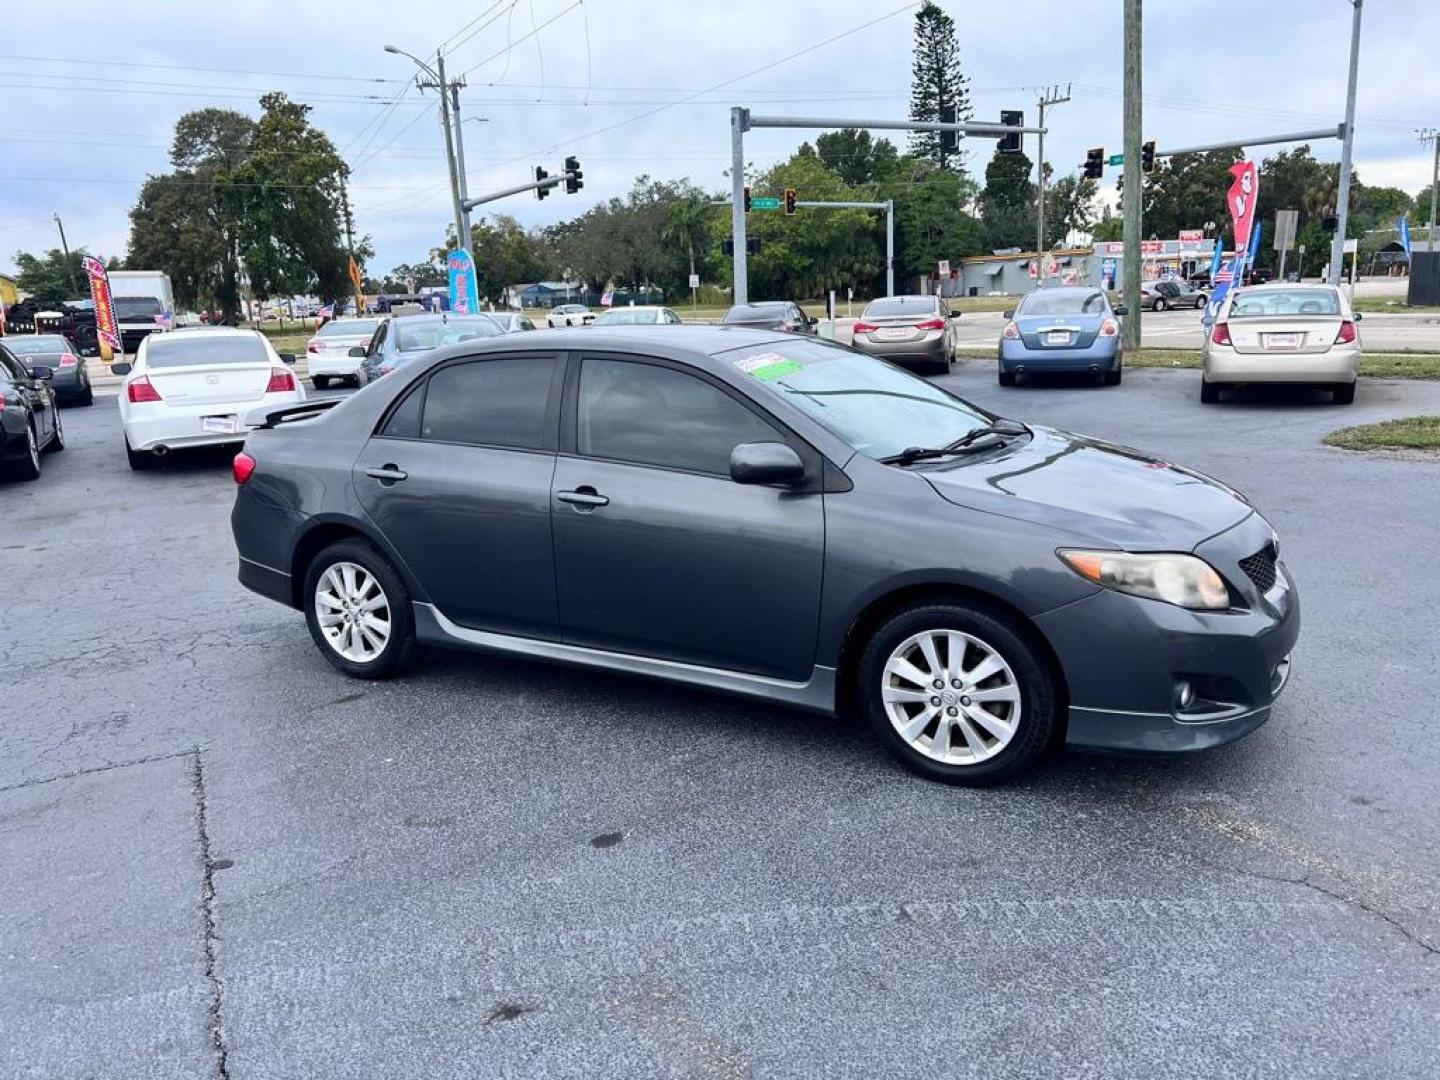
40,345
1285,302
1062,302
627,317
348,328
198,350
895,305
754,312
434,333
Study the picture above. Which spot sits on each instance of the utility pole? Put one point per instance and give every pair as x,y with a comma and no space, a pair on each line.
1431,137
1342,197
1134,176
69,270
437,82
1047,98
464,190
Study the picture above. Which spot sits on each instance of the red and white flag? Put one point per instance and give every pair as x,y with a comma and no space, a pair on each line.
1240,199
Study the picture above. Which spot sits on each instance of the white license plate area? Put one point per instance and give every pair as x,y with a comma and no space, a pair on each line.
1057,337
894,333
220,425
1282,341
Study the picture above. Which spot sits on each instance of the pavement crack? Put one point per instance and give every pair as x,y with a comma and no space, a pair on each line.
107,767
207,915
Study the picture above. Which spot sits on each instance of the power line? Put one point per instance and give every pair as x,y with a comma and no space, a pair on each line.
524,37
108,62
440,47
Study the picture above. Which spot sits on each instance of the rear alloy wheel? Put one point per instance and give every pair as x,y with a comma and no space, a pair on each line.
358,611
1160,304
1209,393
958,694
1343,395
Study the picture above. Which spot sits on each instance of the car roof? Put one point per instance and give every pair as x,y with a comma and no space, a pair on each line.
1282,286
905,298
213,331
693,343
639,307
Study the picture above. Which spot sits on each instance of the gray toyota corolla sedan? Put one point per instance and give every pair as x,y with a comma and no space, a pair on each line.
780,517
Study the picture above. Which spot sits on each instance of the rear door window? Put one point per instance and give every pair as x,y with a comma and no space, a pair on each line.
500,402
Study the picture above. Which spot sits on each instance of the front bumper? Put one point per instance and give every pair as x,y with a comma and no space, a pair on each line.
1123,658
1224,365
1101,355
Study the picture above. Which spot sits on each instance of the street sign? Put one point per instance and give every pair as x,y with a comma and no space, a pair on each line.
1286,222
1117,159
764,202
943,269
694,281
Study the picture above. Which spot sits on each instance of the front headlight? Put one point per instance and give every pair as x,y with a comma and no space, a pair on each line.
1184,580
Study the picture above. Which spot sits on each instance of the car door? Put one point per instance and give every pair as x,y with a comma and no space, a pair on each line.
657,551
371,363
457,478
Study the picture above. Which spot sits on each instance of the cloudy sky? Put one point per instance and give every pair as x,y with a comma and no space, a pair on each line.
89,92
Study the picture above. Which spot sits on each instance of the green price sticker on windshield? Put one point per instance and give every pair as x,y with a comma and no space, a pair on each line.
768,366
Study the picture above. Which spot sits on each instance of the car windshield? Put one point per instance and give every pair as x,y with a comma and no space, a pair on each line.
899,305
1285,303
627,317
754,312
878,409
1062,302
417,334
348,328
137,307
198,350
40,345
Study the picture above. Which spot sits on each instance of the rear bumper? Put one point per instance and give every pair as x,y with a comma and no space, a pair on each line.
931,348
340,367
1224,365
175,426
1102,355
265,580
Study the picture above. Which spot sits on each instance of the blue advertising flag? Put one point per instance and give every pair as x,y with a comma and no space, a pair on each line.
464,289
1405,235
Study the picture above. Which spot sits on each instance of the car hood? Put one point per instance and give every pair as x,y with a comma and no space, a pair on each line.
1112,495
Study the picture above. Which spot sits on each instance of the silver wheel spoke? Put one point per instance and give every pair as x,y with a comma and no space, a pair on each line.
978,749
900,694
996,693
932,658
983,670
940,744
1001,729
908,671
911,731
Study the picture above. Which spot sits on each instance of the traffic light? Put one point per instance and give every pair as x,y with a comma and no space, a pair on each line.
1095,163
1147,157
747,198
574,178
1330,223
541,174
727,246
752,245
949,140
1010,144
790,196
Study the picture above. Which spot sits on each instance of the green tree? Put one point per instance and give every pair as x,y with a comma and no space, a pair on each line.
1069,207
687,225
1187,191
1382,207
936,80
1007,203
290,192
932,221
51,276
1421,214
407,277
854,156
175,227
505,255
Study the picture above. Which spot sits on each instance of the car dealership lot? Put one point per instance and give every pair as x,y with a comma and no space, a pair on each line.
211,839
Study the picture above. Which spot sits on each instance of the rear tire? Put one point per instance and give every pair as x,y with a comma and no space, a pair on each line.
320,382
87,396
28,467
1017,718
1209,393
1112,378
1007,378
1161,303
141,460
368,630
57,441
1343,395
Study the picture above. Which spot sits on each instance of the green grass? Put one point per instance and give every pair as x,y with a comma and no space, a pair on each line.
1393,305
1409,433
1375,365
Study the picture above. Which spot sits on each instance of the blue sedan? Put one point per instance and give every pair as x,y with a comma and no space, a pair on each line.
1063,329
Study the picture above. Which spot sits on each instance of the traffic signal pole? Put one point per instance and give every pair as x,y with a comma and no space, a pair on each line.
889,207
1050,97
1134,177
742,120
1342,196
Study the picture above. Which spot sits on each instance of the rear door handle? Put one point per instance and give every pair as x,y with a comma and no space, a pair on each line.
387,474
584,497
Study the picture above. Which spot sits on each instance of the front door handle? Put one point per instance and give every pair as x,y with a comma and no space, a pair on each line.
583,497
387,474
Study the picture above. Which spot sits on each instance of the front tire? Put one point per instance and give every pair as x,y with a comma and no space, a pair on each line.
958,693
358,611
1160,304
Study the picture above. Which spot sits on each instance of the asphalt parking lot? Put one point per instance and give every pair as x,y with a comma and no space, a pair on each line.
218,853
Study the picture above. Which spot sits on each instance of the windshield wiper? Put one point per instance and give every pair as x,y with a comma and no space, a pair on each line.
924,453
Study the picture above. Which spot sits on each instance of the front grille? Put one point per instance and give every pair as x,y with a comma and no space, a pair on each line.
1260,568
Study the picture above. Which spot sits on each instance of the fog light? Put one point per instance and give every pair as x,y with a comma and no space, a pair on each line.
1184,694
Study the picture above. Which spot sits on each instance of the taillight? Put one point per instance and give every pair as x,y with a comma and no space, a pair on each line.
1109,328
243,467
1011,332
67,361
863,327
281,382
931,324
315,346
142,390
1221,334
1346,336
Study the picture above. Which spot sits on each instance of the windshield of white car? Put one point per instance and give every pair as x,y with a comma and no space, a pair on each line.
1062,302
1285,303
414,335
348,328
878,409
201,350
626,317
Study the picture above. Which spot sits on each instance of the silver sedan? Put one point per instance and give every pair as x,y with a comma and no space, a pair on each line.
1299,334
907,329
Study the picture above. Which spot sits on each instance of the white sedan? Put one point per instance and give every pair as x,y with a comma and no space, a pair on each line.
187,390
570,315
327,354
642,315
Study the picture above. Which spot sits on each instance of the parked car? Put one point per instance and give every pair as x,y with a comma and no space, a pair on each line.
1161,295
1066,329
906,330
70,380
779,517
512,322
570,315
199,389
29,416
401,338
1298,334
1259,275
640,315
784,315
327,354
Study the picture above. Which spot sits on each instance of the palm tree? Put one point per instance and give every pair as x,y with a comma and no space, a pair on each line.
685,221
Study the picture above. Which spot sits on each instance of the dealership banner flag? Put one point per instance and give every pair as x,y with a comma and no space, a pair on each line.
1240,200
1405,235
107,330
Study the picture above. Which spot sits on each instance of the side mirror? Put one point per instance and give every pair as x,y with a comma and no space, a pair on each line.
954,313
357,351
812,320
120,368
42,372
1122,310
1010,314
287,358
1359,315
765,463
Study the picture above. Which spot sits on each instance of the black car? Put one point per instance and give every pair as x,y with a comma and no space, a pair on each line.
29,417
71,379
402,338
771,315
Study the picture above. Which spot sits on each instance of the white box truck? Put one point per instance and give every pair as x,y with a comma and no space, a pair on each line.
144,304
